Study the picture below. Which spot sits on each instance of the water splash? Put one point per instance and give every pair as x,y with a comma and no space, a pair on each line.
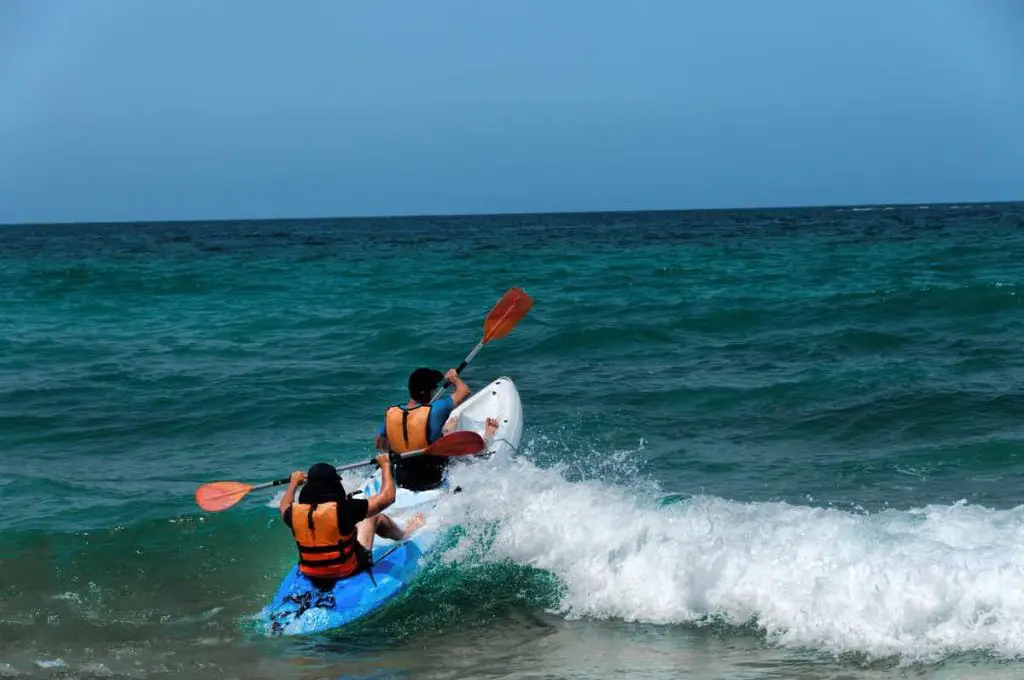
920,585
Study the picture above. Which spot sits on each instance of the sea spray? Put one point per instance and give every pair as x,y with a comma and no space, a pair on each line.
919,584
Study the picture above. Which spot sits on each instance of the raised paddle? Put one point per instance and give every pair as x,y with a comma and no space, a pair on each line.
217,496
500,321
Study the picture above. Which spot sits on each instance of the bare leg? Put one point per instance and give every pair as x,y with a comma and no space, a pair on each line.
385,527
492,427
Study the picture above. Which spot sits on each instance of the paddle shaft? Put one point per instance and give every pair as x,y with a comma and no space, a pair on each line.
502,318
350,466
465,362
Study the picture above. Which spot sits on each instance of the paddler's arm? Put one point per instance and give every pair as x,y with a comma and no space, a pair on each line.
298,477
378,503
461,389
380,441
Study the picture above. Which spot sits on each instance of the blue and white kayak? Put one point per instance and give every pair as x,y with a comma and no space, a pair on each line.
300,608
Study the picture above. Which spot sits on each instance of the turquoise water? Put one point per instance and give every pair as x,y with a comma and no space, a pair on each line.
757,443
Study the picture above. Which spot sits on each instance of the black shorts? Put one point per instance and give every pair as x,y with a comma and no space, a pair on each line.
420,474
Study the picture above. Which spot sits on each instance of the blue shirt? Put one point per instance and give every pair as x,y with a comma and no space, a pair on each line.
442,408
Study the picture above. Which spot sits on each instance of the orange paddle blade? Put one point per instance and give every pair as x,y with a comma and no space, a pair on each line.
217,496
462,443
504,316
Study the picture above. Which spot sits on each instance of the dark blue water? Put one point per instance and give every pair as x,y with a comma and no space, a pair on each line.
757,443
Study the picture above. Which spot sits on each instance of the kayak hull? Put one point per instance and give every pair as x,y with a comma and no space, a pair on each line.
499,400
300,608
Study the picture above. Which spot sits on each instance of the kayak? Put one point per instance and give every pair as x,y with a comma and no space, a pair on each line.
498,400
300,608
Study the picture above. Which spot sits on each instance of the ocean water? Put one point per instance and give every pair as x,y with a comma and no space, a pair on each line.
757,444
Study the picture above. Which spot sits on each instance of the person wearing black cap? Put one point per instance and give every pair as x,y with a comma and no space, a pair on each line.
334,533
418,424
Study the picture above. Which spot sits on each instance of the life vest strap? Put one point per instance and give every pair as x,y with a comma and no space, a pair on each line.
330,562
407,428
344,548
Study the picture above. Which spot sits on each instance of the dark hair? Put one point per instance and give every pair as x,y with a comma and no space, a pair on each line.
422,382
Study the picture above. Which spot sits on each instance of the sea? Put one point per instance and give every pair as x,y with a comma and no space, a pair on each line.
781,443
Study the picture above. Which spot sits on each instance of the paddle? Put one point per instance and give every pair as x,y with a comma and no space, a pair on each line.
500,321
217,496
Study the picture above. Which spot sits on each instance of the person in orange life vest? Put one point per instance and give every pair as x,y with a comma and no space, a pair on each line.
334,534
418,424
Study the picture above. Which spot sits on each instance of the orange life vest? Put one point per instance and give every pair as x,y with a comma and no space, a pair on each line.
407,430
324,551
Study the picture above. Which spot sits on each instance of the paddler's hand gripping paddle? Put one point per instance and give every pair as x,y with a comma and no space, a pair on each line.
500,321
217,496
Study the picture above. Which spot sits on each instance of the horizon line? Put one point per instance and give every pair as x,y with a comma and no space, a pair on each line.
524,213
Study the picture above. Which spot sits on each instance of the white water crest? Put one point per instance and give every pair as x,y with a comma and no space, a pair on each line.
919,585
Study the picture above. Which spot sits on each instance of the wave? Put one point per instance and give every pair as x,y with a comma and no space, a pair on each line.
920,585
567,533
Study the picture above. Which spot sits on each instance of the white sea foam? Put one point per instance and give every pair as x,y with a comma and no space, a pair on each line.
920,585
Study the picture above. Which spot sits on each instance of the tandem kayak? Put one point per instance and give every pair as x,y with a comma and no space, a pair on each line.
300,608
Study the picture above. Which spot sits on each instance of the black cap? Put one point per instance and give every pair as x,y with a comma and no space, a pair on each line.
322,482
323,474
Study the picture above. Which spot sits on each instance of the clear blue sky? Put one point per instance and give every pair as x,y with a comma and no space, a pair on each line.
160,109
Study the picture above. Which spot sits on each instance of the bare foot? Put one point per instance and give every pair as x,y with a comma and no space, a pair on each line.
414,523
492,427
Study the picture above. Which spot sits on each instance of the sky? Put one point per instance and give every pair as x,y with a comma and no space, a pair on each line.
183,109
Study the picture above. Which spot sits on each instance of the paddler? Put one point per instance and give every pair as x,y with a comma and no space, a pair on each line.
334,533
418,424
